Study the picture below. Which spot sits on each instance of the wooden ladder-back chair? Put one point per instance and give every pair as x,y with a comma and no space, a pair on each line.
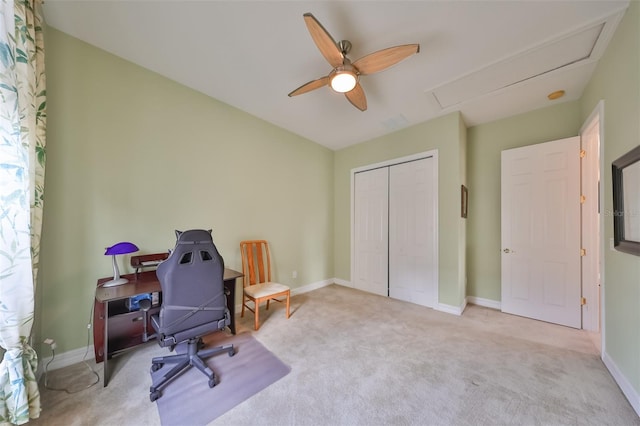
258,287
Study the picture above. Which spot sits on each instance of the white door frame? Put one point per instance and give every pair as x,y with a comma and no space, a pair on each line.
426,154
588,324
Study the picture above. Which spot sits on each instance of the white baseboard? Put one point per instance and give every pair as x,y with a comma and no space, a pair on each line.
632,395
65,359
450,309
342,282
487,303
313,286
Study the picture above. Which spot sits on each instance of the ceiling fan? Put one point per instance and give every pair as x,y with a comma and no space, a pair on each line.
345,75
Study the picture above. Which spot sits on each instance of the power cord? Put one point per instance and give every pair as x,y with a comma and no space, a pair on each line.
52,344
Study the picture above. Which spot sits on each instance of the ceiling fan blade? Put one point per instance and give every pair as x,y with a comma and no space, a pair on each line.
383,59
312,85
357,97
326,44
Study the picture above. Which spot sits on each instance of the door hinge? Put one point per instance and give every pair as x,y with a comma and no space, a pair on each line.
583,252
583,153
583,199
583,301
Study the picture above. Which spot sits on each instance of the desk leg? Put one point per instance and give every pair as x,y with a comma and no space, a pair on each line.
230,287
105,370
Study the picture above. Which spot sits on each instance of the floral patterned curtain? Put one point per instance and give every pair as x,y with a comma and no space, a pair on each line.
22,158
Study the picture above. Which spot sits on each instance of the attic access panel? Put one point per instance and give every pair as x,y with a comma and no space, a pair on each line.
529,64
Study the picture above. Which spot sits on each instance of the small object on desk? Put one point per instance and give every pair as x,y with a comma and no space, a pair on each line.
133,303
119,248
143,261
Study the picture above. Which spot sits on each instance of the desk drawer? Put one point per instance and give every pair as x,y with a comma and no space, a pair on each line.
125,325
125,330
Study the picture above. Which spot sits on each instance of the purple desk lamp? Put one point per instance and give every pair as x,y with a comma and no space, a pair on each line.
119,248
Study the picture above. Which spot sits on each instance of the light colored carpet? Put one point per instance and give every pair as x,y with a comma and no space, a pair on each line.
362,359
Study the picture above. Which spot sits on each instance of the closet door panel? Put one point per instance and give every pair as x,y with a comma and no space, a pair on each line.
371,222
412,243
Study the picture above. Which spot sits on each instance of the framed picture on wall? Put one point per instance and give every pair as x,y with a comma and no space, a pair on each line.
464,202
626,202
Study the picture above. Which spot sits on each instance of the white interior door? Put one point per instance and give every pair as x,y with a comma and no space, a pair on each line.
371,236
590,222
412,240
541,232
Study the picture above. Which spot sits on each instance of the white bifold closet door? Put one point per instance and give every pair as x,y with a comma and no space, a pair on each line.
395,239
371,217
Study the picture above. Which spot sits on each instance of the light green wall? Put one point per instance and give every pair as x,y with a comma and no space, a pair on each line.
617,82
445,134
485,143
132,156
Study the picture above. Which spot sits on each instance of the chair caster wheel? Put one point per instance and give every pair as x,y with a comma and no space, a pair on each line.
156,366
154,395
232,352
212,382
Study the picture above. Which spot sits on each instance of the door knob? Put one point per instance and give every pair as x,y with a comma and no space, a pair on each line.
507,250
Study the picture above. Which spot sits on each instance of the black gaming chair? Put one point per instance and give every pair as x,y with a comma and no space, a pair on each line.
193,304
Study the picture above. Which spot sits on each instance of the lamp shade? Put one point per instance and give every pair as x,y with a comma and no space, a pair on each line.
116,249
121,248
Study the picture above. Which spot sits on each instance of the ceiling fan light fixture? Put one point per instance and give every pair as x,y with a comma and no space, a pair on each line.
343,79
344,76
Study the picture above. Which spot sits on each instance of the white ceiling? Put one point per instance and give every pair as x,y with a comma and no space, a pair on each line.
487,59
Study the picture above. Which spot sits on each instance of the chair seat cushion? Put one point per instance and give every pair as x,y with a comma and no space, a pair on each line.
259,291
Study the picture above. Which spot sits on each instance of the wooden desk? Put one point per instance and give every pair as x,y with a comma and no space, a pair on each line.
116,329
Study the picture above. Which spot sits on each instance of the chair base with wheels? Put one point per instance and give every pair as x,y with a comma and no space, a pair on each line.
192,358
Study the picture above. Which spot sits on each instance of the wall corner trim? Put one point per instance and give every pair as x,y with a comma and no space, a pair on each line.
310,287
487,303
342,282
450,309
627,389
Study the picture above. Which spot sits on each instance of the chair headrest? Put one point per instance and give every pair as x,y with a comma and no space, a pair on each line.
194,236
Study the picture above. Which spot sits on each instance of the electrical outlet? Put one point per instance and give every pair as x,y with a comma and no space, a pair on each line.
49,341
294,274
